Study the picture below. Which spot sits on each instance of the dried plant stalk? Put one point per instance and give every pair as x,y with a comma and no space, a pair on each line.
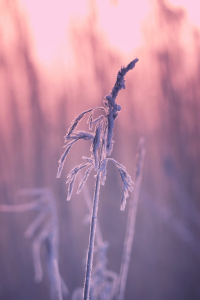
130,230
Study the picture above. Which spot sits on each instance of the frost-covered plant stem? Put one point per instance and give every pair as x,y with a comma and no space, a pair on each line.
92,238
130,229
101,148
89,203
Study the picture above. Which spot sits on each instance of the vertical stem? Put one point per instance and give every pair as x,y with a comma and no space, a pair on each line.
130,229
88,200
52,248
92,238
54,274
56,291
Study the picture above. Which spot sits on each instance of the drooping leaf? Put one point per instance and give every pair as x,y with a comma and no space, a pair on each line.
126,181
83,181
74,137
77,135
63,157
75,122
72,176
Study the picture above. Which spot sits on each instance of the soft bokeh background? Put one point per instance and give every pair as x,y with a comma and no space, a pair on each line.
58,58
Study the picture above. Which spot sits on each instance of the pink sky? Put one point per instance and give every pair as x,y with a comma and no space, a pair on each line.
49,22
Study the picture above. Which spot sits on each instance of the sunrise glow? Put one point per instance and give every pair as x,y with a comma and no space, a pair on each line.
49,22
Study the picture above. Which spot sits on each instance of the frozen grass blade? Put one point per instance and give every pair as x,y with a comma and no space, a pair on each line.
126,180
130,230
74,138
83,181
71,178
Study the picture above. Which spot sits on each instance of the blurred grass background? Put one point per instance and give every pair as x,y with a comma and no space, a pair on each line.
160,102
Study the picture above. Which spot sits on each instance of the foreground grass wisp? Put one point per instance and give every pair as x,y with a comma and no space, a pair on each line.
44,229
